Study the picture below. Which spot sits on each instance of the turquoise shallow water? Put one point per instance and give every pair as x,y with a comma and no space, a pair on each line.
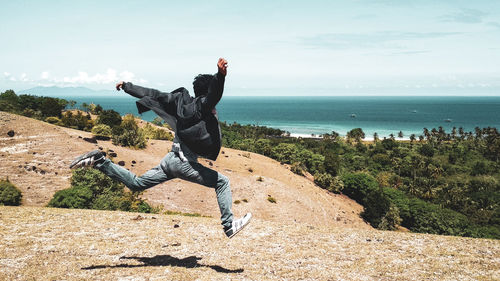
318,115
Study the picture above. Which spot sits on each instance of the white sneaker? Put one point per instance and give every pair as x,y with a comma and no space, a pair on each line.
238,225
89,159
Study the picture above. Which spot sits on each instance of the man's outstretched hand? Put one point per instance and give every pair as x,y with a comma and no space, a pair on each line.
221,65
119,85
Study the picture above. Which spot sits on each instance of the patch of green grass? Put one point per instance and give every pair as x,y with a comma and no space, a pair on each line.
168,212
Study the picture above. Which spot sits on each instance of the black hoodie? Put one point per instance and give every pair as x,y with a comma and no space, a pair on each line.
192,119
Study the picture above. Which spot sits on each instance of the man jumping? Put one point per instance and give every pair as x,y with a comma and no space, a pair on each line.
197,133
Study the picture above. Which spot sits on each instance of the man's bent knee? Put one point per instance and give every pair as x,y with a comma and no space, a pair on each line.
222,180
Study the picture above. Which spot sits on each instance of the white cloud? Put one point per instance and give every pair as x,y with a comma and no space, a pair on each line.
24,77
109,77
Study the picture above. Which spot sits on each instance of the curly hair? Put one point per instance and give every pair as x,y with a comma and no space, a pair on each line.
201,84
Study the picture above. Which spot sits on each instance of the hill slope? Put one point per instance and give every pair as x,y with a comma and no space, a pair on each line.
37,156
54,244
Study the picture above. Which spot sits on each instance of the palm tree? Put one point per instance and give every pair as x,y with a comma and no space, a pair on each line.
426,134
454,133
479,133
400,134
412,139
375,137
85,106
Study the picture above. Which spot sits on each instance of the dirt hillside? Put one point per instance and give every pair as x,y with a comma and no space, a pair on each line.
59,244
37,157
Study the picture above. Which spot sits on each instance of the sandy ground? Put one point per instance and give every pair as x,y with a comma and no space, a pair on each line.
37,157
59,244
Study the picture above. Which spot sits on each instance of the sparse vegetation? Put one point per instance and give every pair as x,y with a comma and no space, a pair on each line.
271,199
150,132
10,195
102,131
128,133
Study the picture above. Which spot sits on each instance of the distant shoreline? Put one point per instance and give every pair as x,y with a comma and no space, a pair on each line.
368,139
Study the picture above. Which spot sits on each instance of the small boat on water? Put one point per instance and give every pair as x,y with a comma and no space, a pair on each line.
353,115
448,120
414,111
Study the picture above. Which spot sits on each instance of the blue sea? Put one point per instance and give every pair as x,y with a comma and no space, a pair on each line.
318,115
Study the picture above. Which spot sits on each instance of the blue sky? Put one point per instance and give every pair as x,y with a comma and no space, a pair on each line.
273,47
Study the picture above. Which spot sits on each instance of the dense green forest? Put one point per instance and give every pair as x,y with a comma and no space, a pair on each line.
442,183
438,182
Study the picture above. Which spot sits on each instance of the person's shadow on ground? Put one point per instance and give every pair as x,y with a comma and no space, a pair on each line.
166,260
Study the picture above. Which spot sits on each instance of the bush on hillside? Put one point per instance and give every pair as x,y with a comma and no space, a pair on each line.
390,220
358,185
110,118
10,195
430,218
91,189
328,182
102,131
53,120
77,121
128,133
150,132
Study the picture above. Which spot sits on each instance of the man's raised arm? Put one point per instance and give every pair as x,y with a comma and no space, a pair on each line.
136,91
217,86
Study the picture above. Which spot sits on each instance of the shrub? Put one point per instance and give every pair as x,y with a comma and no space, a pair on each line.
430,218
91,189
328,182
376,206
358,185
10,195
285,152
426,150
298,168
51,107
389,144
128,133
77,121
390,220
72,198
271,199
400,200
381,159
110,118
332,163
53,120
102,131
151,132
480,168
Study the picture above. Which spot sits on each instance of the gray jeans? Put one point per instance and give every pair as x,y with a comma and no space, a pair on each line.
171,166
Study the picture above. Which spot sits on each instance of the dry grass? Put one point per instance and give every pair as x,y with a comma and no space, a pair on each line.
54,244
